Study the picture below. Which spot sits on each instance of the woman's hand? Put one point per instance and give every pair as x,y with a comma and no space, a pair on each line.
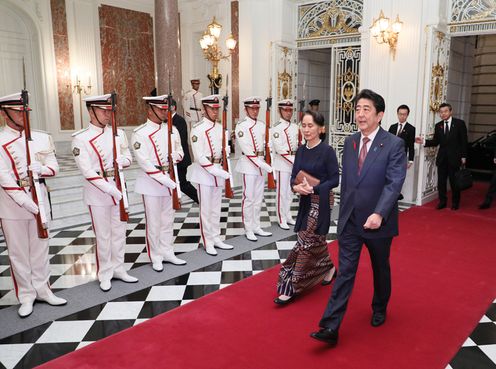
303,188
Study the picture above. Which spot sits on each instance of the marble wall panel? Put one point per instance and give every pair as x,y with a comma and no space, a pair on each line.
61,47
126,39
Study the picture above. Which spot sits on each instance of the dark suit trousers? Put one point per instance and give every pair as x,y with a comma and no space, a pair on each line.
350,246
492,189
186,187
445,171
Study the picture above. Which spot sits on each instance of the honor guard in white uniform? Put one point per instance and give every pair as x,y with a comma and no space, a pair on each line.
150,143
284,138
92,149
192,104
207,175
28,253
250,134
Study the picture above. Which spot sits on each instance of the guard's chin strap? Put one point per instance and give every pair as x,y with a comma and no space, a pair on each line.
208,116
96,117
153,110
10,118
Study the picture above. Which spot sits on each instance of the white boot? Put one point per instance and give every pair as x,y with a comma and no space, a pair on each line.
123,276
210,249
261,232
251,236
291,221
221,245
284,225
25,309
51,299
171,258
105,285
158,267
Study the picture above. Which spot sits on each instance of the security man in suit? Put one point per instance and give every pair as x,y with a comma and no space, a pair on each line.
314,104
450,134
150,143
405,131
182,167
374,169
250,134
192,103
207,173
92,149
284,137
491,191
28,254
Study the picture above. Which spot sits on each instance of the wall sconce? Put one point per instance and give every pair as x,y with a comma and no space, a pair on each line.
79,89
212,52
385,32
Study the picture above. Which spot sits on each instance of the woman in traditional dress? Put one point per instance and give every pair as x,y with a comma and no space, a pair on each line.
309,262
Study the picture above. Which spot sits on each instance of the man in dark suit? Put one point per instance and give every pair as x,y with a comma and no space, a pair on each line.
450,134
186,187
374,169
405,131
491,192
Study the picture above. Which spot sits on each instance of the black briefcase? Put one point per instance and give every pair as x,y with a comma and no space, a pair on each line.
463,179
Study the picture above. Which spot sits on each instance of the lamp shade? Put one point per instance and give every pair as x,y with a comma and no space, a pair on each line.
231,42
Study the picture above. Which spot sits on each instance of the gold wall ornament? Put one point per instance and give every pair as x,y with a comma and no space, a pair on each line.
472,16
437,82
284,79
332,21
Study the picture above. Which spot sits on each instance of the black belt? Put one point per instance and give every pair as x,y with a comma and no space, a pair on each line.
214,160
163,168
195,109
25,182
107,173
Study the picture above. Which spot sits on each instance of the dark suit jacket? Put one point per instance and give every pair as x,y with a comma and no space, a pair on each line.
453,147
408,135
181,126
377,188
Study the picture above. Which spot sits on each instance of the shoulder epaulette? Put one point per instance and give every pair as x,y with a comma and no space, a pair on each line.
140,127
79,132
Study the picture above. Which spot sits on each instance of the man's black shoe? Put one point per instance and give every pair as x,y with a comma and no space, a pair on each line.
326,335
485,205
378,319
441,205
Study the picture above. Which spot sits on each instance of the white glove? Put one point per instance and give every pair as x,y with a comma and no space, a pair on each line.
176,157
36,167
266,167
115,193
30,206
167,182
122,161
218,172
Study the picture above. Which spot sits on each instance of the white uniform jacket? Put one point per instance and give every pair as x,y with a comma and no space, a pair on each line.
92,149
150,143
192,106
14,189
250,136
206,141
284,140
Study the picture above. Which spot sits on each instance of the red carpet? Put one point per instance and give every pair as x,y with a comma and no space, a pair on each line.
443,281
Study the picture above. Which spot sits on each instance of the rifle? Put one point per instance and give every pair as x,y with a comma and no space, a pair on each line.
271,183
118,173
226,165
176,203
300,118
36,194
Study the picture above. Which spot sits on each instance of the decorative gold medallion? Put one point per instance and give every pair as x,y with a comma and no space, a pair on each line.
137,145
75,151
